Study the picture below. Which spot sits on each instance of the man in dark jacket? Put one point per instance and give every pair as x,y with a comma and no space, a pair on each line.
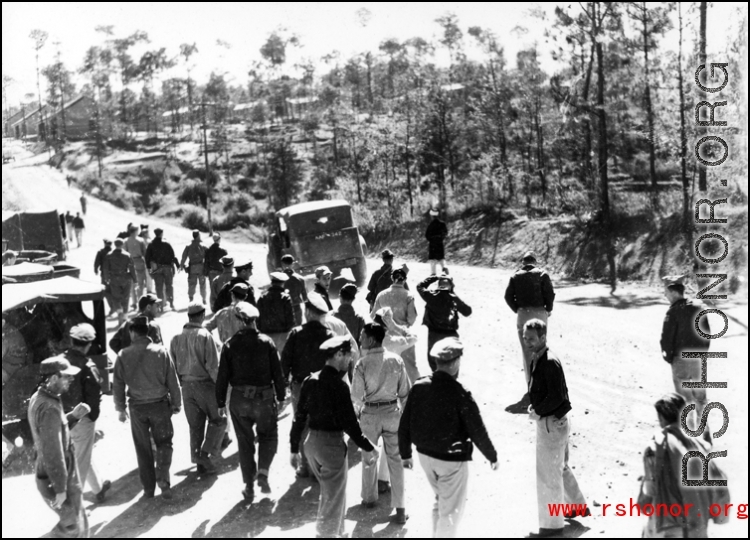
346,312
162,265
193,262
244,271
548,392
296,288
323,276
381,278
227,274
529,294
98,264
443,421
250,363
214,254
276,311
436,232
148,307
118,274
441,311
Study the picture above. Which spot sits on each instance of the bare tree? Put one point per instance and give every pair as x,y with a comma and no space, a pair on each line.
39,37
186,51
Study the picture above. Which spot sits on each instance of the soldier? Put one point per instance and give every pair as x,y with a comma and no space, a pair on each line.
162,264
442,420
441,311
69,226
276,311
217,283
296,288
195,256
98,267
323,276
196,357
147,371
244,271
436,232
214,267
56,470
548,392
401,302
78,226
250,363
148,306
146,237
302,355
379,391
346,312
374,287
83,202
529,294
118,274
85,388
136,247
325,406
225,320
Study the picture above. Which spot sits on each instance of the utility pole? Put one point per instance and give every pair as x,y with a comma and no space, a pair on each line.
208,175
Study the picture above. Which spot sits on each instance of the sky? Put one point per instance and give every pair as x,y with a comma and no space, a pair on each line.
322,27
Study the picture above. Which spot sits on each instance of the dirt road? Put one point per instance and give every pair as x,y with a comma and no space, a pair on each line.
610,351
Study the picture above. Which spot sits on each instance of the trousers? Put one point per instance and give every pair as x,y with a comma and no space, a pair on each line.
248,416
409,356
298,314
433,265
376,423
83,436
193,281
73,522
199,399
555,481
163,282
697,531
147,421
449,481
524,316
120,293
296,391
433,336
79,237
140,280
326,452
213,274
684,370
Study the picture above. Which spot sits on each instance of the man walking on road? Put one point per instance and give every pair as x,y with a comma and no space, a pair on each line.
529,294
118,274
162,264
78,226
244,272
401,303
355,323
441,311
98,269
381,278
225,320
379,390
194,255
217,283
148,306
85,388
69,226
548,391
196,357
323,276
296,288
214,267
136,247
276,311
84,202
147,372
436,232
442,420
250,363
55,465
325,406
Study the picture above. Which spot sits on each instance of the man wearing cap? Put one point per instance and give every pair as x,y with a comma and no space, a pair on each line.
244,270
194,255
214,254
346,312
148,306
225,320
442,307
529,294
435,234
98,264
443,421
196,357
379,390
374,286
548,392
85,388
55,465
162,264
323,276
145,235
679,335
401,303
325,406
302,355
118,274
148,373
136,247
217,283
296,288
250,363
276,311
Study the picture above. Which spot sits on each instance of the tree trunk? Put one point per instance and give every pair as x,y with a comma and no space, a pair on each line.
702,182
190,103
499,119
541,165
587,168
649,112
683,137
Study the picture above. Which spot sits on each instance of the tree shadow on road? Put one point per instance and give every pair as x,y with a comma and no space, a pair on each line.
617,301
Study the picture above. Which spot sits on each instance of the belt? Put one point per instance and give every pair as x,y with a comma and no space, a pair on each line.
254,392
242,388
327,434
382,404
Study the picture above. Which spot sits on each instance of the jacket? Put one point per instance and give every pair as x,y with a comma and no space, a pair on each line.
54,448
301,355
353,320
121,339
400,300
86,387
99,259
118,266
678,332
276,311
442,307
296,287
530,287
195,354
322,291
547,388
160,253
379,281
195,254
226,322
214,255
224,298
443,421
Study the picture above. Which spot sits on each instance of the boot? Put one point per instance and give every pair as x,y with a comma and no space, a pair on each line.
401,516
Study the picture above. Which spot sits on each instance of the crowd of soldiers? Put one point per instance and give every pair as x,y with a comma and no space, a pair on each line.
344,373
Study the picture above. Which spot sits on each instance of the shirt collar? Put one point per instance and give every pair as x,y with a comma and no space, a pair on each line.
536,356
43,390
193,325
373,351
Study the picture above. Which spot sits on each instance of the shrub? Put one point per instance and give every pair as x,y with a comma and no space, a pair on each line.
193,192
195,219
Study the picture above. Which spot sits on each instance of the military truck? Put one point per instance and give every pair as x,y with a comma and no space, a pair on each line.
35,232
316,234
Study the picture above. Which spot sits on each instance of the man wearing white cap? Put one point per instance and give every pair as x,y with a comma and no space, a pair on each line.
276,311
85,388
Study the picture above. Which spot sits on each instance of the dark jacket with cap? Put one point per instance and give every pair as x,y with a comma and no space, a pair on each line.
276,310
436,232
302,355
442,307
443,421
86,386
295,285
530,287
547,390
324,293
118,266
121,339
161,253
224,298
99,259
214,254
678,333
